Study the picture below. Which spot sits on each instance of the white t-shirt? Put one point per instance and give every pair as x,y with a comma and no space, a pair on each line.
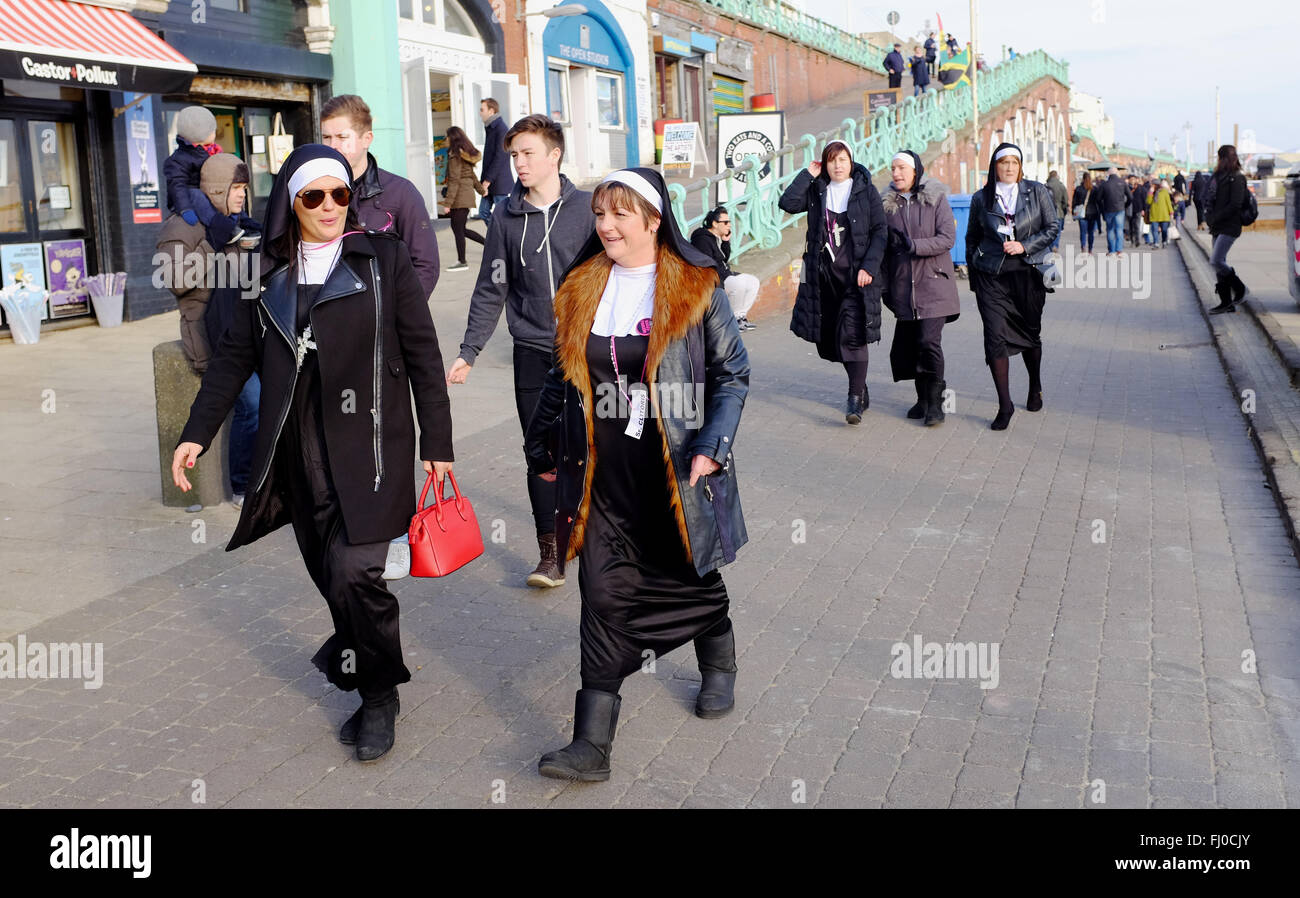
317,260
629,298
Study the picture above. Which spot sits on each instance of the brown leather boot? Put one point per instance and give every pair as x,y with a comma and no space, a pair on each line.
547,573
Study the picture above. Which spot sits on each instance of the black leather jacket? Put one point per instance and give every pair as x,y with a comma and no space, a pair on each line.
712,359
1035,227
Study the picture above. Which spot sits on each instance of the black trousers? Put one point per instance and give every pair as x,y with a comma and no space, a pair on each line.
460,231
531,366
896,80
916,350
365,651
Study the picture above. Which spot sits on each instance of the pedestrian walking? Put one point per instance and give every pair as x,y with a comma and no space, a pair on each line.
894,66
497,182
1062,198
340,309
1113,200
919,283
920,72
1137,212
647,486
1086,212
714,240
1199,189
1227,194
1012,225
1160,211
535,236
461,191
837,305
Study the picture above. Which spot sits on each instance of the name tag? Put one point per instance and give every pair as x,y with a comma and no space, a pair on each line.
640,402
1006,230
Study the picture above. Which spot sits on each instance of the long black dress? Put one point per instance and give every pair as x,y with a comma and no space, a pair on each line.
365,650
837,286
638,589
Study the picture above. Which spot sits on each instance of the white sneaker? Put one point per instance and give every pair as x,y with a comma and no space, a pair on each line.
237,500
399,559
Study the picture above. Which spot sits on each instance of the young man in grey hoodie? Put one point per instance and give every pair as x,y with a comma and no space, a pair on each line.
534,236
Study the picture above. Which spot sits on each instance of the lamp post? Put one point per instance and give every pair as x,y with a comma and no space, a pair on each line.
974,87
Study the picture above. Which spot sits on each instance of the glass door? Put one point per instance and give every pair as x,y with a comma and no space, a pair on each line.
43,237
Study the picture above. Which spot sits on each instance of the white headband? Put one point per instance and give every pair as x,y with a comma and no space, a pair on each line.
1008,151
643,187
317,168
906,159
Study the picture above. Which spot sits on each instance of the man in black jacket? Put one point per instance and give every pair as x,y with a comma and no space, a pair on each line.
1114,198
931,52
894,65
539,230
714,240
496,160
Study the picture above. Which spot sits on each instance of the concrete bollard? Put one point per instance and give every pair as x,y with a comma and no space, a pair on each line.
175,385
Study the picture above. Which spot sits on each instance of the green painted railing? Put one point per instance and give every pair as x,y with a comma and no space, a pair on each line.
790,22
757,220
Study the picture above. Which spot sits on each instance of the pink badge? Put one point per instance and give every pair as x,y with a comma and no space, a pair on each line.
643,327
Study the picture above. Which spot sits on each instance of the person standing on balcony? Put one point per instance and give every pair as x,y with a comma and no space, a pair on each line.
1011,229
920,72
920,286
894,66
838,303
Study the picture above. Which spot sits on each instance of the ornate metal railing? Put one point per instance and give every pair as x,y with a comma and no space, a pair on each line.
790,22
757,220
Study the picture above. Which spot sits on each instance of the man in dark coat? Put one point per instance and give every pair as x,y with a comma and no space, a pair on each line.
496,179
1062,198
931,52
382,200
894,65
1114,199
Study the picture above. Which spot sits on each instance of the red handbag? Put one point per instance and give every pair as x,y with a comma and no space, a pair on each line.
444,536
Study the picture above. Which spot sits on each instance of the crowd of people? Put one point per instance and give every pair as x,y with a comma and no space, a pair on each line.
923,64
612,312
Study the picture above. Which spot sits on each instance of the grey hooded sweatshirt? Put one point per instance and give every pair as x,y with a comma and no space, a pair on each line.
527,251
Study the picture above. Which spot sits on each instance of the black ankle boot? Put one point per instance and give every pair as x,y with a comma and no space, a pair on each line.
1223,290
853,407
717,659
1237,287
348,732
934,401
376,731
586,758
917,411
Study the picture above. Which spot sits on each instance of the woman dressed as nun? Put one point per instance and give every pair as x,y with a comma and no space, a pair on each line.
341,336
838,303
1010,233
638,421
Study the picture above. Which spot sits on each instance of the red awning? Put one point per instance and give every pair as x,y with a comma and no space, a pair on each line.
62,42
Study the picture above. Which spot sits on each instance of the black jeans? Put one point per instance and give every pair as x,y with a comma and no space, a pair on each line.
459,231
531,366
917,350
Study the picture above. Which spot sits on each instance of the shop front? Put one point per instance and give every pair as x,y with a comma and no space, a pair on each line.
61,65
591,91
452,58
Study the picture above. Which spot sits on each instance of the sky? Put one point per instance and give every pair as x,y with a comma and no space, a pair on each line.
1154,63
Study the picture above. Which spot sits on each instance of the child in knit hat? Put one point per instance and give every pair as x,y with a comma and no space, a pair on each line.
196,134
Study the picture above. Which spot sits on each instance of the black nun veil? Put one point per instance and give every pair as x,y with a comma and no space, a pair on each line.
990,186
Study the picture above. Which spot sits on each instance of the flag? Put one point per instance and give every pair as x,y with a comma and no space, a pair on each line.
955,70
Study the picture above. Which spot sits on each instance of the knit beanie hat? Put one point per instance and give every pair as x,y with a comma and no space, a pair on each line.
195,123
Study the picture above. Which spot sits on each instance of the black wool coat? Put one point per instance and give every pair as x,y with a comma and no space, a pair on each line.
867,221
377,344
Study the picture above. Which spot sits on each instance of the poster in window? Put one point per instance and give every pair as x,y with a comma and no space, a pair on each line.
65,269
22,265
142,157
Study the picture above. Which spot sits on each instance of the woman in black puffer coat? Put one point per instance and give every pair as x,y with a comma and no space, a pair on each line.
838,303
